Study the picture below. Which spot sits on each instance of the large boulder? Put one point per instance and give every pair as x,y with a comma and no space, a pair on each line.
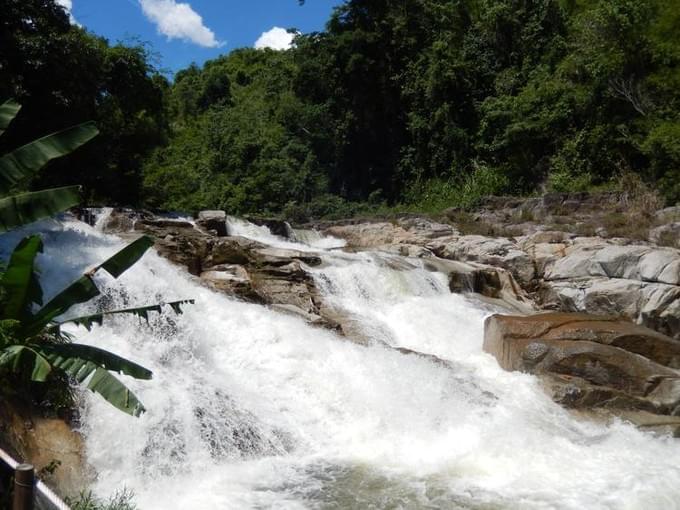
639,281
592,362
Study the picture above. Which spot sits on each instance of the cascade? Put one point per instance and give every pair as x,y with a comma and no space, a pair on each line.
251,408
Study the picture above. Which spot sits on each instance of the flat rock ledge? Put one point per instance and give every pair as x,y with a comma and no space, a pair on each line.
597,365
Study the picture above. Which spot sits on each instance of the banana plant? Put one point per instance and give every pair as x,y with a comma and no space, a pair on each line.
37,345
21,164
32,343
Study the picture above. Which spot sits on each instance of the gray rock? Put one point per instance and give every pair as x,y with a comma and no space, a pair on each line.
213,220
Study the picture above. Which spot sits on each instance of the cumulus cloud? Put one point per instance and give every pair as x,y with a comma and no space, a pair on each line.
68,7
179,21
277,39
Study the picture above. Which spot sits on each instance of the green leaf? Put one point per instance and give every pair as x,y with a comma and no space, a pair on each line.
18,210
8,110
89,320
115,392
23,162
15,357
18,279
100,357
126,257
79,291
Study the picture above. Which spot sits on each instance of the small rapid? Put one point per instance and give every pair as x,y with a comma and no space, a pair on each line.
251,408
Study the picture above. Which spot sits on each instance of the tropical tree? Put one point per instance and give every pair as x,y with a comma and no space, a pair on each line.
32,343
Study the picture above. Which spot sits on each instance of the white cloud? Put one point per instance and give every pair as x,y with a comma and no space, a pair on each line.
277,39
179,21
68,7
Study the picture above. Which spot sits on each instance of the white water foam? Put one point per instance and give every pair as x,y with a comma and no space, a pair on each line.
249,408
303,240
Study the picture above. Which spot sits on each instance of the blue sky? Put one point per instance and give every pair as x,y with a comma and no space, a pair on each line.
185,31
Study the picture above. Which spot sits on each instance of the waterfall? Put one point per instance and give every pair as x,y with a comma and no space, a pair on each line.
250,408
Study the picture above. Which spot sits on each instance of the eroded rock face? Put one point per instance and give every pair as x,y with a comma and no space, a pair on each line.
46,443
592,362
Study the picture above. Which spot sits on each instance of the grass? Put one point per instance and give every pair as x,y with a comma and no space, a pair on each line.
121,500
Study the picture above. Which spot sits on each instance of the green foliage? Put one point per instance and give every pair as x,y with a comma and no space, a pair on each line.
251,151
35,347
22,163
64,75
410,99
122,500
32,346
18,210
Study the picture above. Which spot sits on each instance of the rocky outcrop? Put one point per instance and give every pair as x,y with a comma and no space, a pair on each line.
548,269
281,278
50,444
408,231
605,277
497,252
559,270
594,363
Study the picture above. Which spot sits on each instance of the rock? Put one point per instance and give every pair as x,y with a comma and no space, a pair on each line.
496,284
122,220
591,361
46,443
642,263
277,227
668,235
213,220
638,281
378,234
179,242
498,252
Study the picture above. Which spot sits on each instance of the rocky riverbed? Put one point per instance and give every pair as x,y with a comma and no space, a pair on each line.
630,288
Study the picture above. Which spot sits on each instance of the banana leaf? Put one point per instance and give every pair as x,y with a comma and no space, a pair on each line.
59,354
8,110
115,392
126,257
143,311
18,210
84,288
16,357
25,161
79,362
80,291
19,280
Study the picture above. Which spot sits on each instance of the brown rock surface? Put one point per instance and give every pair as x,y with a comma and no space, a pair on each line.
592,362
45,442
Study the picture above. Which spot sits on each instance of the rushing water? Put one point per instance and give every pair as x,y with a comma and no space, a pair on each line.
250,408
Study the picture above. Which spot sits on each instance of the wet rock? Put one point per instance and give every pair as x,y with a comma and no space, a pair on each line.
494,283
277,227
215,221
589,362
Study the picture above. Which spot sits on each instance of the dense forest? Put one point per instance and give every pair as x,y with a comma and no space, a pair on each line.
414,103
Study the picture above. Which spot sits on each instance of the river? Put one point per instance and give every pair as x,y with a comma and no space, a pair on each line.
252,408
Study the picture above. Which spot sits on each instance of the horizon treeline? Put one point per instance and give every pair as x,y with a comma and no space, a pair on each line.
425,103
